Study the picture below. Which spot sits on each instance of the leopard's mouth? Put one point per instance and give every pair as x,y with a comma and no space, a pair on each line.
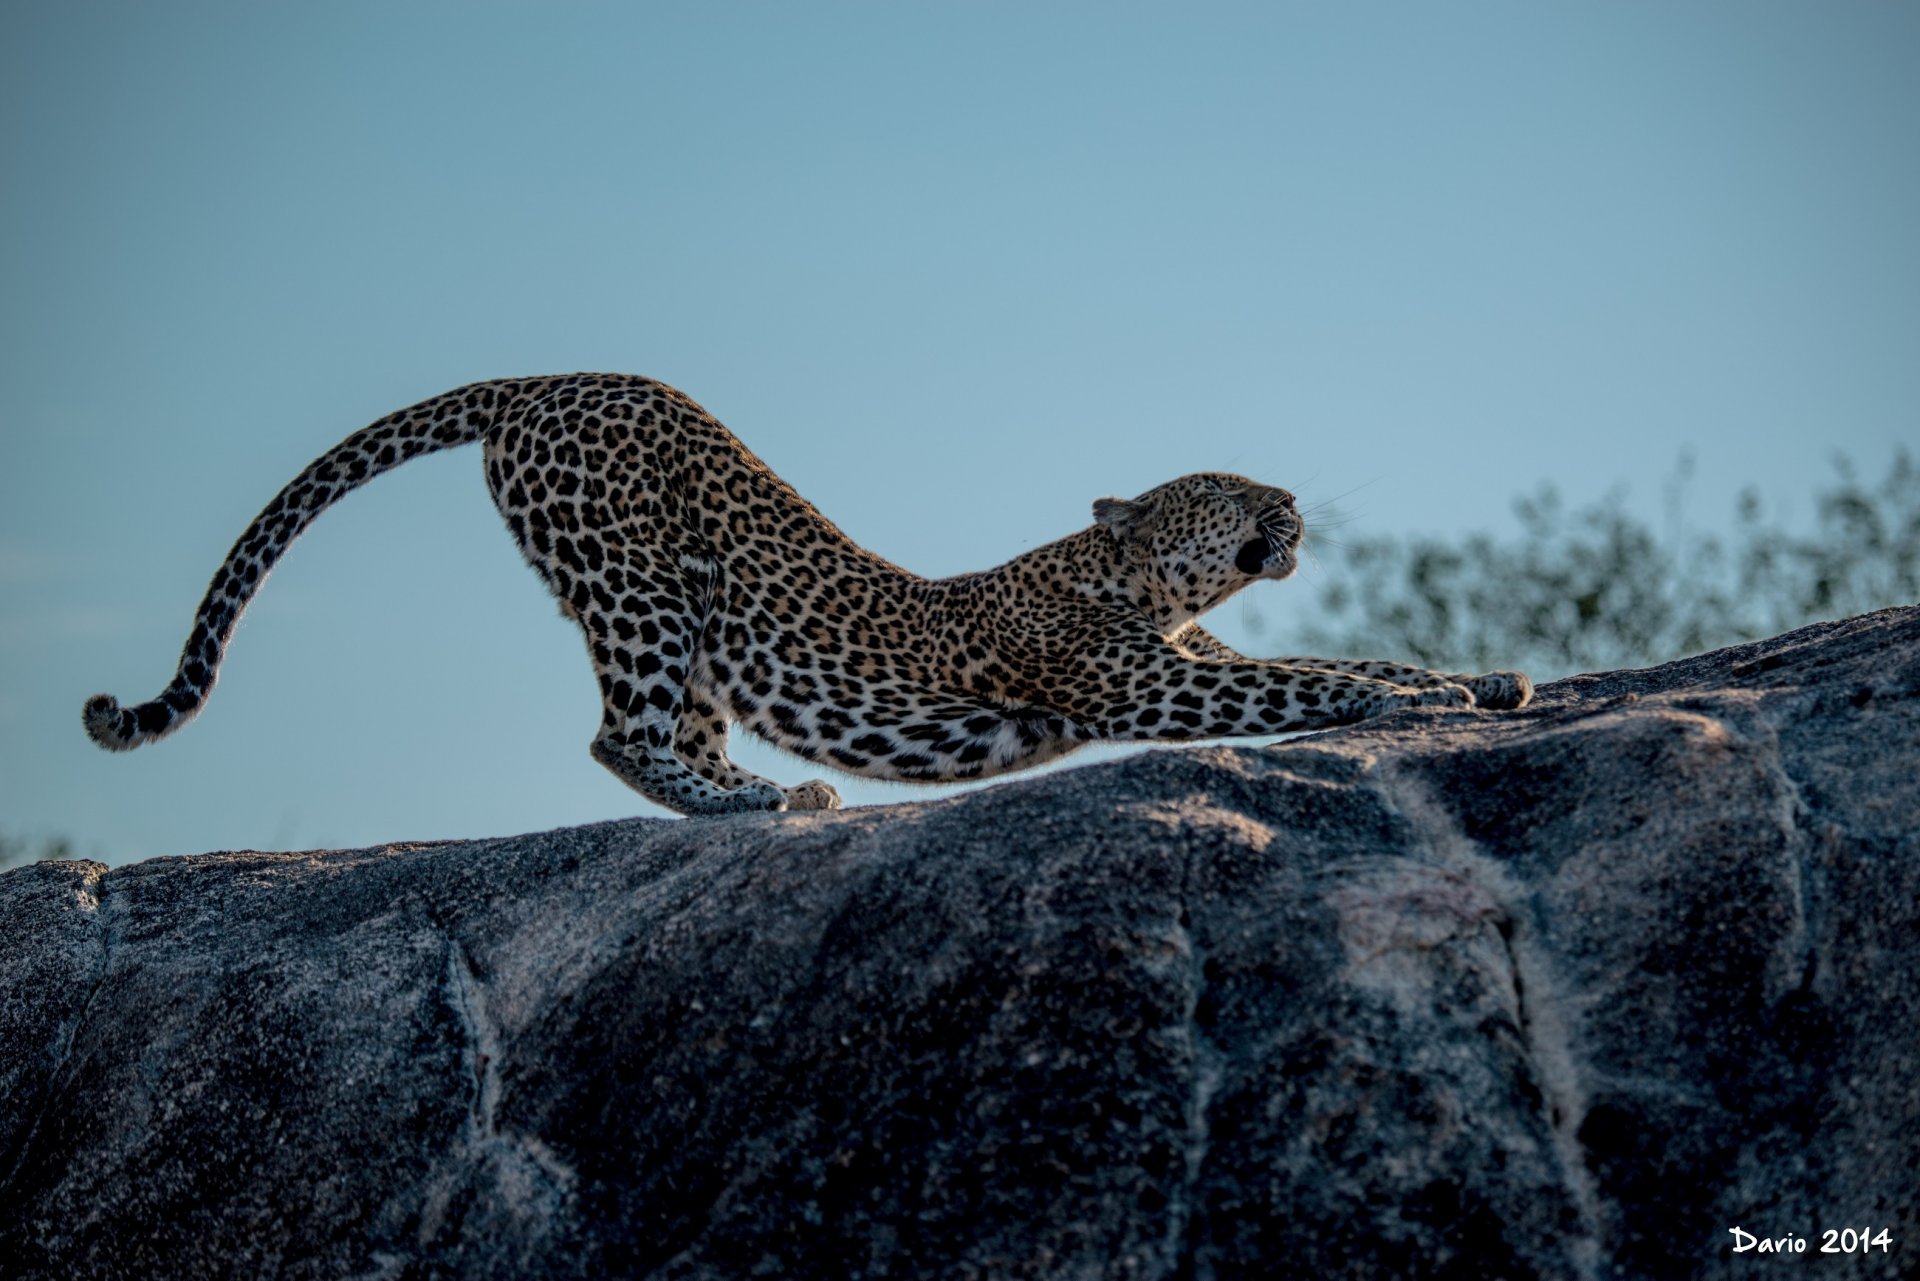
1274,553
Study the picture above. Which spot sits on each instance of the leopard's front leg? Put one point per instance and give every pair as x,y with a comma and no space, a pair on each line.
1496,691
1145,688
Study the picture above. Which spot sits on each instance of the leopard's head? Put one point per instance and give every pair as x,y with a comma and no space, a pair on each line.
1206,536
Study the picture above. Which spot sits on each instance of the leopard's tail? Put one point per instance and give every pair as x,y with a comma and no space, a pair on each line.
456,418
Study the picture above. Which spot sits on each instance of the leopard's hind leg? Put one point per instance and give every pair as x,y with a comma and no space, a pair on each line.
595,539
700,739
640,617
658,731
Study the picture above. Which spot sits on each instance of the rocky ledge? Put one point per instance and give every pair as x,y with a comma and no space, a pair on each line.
1568,992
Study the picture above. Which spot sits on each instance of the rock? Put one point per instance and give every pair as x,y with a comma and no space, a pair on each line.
1568,992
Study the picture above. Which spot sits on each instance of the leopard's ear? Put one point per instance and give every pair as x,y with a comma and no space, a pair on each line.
1123,519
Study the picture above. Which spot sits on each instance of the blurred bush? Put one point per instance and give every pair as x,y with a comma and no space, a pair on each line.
1596,588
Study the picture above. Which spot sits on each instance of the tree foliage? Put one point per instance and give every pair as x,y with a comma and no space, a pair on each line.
1595,588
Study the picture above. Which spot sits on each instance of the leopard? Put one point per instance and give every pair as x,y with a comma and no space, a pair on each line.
711,595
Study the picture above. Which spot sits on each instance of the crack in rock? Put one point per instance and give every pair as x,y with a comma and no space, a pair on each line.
1795,817
90,897
515,1177
1484,894
482,1047
1206,1071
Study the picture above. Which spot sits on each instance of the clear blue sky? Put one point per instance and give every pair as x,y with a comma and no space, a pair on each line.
954,270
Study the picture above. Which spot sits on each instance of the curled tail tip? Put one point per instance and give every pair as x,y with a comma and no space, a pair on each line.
103,721
120,729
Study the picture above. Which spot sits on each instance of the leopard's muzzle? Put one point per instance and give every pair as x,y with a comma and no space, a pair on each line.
1274,554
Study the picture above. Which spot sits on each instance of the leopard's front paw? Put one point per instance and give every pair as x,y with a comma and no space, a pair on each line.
1448,695
753,797
1404,696
1499,691
814,794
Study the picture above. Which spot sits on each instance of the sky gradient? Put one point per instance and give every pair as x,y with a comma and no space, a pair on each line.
953,270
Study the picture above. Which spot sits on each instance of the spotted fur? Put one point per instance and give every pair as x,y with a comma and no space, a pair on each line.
711,593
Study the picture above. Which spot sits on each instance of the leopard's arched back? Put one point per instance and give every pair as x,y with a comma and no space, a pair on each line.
710,593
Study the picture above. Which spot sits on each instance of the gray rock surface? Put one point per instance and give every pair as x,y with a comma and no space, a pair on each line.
1568,992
